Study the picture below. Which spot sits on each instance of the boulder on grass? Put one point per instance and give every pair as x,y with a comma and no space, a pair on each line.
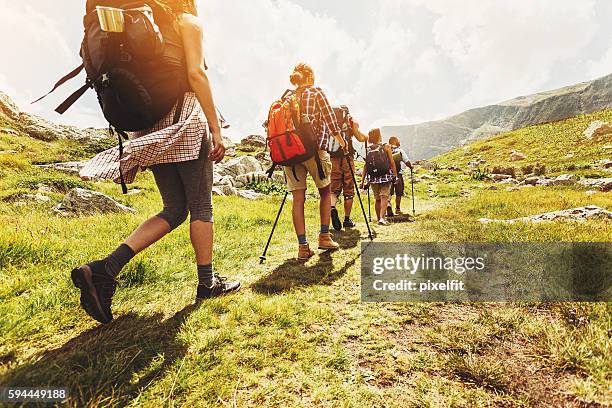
239,165
256,141
601,184
81,201
8,107
565,180
517,156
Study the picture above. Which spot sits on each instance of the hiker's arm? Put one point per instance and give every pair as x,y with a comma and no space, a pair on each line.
406,159
357,133
330,118
390,155
193,37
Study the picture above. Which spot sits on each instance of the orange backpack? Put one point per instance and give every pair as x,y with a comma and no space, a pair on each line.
290,140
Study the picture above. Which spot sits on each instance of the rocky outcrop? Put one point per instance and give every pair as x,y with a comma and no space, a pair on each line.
8,107
597,128
81,201
575,214
426,140
601,184
41,129
517,156
255,141
238,166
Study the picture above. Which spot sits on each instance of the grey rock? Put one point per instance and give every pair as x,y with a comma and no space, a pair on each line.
67,167
565,180
8,107
9,131
244,179
597,128
508,181
38,197
249,194
605,163
264,158
256,141
545,182
240,165
575,214
428,177
8,152
533,180
41,129
229,144
517,156
500,177
225,181
601,184
81,201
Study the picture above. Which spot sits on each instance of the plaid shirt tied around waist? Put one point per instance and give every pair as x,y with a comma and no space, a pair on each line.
163,143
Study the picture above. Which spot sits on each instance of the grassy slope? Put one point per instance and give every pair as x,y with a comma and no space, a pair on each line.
295,336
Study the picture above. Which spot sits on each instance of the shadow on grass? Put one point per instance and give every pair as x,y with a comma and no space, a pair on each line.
108,365
294,273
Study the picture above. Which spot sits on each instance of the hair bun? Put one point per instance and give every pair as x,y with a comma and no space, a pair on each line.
296,78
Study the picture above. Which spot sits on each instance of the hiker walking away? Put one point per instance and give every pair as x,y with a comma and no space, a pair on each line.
401,160
180,153
315,109
380,173
342,164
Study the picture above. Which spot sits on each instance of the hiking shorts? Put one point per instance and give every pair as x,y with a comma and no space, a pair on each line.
381,190
341,177
397,189
186,188
309,167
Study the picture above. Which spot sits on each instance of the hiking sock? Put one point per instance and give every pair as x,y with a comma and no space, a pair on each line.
347,218
302,240
324,229
118,259
205,275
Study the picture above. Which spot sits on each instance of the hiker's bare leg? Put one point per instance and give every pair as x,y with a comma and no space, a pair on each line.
325,205
334,199
202,236
398,202
384,202
348,207
299,198
148,233
377,207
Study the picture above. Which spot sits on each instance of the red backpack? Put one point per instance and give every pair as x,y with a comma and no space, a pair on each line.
290,141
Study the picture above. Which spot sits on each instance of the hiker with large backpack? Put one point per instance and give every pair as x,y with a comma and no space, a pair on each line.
343,168
145,61
300,128
379,172
401,160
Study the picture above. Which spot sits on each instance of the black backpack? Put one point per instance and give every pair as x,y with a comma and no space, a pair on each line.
139,74
335,150
377,161
397,158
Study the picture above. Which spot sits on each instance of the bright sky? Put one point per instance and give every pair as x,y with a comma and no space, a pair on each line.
391,61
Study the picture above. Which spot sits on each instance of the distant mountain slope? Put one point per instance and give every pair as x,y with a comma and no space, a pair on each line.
429,139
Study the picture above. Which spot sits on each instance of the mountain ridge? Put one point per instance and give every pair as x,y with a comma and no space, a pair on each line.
428,139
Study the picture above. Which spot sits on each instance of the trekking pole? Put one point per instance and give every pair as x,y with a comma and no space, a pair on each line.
361,202
280,210
412,182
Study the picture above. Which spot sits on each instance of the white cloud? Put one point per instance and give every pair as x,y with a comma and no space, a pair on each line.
391,61
507,47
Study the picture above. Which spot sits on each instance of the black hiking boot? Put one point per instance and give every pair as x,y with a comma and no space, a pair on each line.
348,224
97,290
335,219
220,287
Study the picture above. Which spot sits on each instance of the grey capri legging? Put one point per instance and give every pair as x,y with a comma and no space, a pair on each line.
186,187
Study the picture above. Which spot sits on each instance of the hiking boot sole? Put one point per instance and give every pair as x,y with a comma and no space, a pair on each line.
336,220
82,279
329,248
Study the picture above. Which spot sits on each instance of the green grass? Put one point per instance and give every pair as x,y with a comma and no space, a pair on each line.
296,335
